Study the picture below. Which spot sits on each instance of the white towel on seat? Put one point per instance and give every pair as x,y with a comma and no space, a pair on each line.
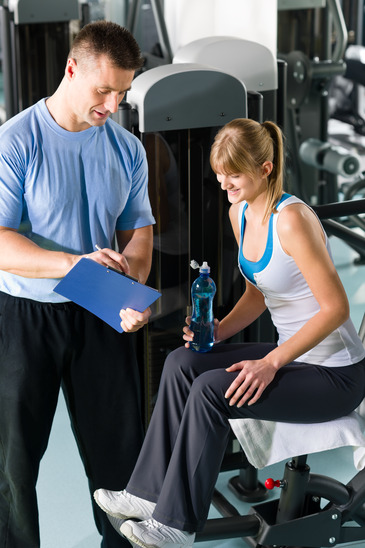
268,442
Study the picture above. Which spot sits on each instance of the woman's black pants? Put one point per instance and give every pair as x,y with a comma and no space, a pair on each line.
189,429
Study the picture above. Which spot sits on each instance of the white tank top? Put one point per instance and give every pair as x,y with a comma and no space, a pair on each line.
290,300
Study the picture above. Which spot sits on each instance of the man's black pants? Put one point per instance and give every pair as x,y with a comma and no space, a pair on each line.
44,346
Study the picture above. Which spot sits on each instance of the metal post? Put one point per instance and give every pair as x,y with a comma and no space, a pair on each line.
8,68
292,496
162,31
335,10
133,12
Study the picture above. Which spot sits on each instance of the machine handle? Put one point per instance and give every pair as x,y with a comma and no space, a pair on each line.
270,483
335,10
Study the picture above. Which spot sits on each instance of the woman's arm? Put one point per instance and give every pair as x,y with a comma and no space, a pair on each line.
249,307
303,239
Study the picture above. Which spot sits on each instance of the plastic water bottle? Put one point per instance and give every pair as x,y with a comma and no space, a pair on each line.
202,319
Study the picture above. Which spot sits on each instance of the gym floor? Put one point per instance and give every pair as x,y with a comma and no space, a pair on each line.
64,505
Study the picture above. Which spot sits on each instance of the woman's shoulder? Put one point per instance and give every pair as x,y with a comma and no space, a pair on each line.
293,210
298,224
235,212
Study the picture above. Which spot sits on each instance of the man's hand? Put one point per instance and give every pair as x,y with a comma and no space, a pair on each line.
133,320
110,258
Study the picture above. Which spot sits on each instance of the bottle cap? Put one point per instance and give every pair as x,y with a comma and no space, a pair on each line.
204,268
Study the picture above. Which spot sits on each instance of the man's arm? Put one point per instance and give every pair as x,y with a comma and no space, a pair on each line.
136,246
20,255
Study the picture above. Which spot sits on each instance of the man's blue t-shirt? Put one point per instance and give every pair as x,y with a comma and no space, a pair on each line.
68,191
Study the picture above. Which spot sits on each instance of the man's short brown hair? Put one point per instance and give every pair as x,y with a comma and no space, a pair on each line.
110,39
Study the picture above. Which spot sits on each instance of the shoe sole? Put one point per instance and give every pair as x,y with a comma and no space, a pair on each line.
113,514
139,543
132,538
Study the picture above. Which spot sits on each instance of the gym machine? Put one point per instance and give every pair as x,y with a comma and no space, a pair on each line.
179,107
35,40
314,57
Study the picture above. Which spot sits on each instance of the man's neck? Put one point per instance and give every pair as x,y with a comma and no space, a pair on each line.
58,108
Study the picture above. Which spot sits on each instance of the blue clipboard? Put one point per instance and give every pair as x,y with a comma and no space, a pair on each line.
104,291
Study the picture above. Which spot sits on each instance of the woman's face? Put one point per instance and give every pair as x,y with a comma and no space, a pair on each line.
241,186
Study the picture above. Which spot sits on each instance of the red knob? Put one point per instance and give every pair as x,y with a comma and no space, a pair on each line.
270,483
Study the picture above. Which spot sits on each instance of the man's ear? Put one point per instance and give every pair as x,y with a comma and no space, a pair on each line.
70,68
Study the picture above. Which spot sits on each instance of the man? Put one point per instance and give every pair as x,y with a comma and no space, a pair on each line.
70,179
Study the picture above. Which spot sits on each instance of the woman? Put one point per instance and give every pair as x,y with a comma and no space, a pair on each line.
314,373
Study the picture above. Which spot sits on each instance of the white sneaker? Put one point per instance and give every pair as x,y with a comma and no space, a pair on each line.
121,504
153,534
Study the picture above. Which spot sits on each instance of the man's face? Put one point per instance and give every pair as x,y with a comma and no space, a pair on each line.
96,89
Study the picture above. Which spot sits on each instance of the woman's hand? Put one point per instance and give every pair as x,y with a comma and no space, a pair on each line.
189,335
254,377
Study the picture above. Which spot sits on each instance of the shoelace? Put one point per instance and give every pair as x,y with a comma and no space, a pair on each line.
152,524
175,535
145,505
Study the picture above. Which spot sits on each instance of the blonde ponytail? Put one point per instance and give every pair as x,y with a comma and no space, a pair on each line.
275,179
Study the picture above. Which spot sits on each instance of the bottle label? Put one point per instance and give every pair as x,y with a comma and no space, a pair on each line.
203,336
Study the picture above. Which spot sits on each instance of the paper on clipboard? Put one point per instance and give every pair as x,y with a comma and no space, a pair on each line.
104,292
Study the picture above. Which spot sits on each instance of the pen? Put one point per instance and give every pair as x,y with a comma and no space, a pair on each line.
118,271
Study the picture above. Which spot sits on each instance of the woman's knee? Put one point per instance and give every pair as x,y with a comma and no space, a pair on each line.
182,360
210,385
185,366
207,397
177,363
